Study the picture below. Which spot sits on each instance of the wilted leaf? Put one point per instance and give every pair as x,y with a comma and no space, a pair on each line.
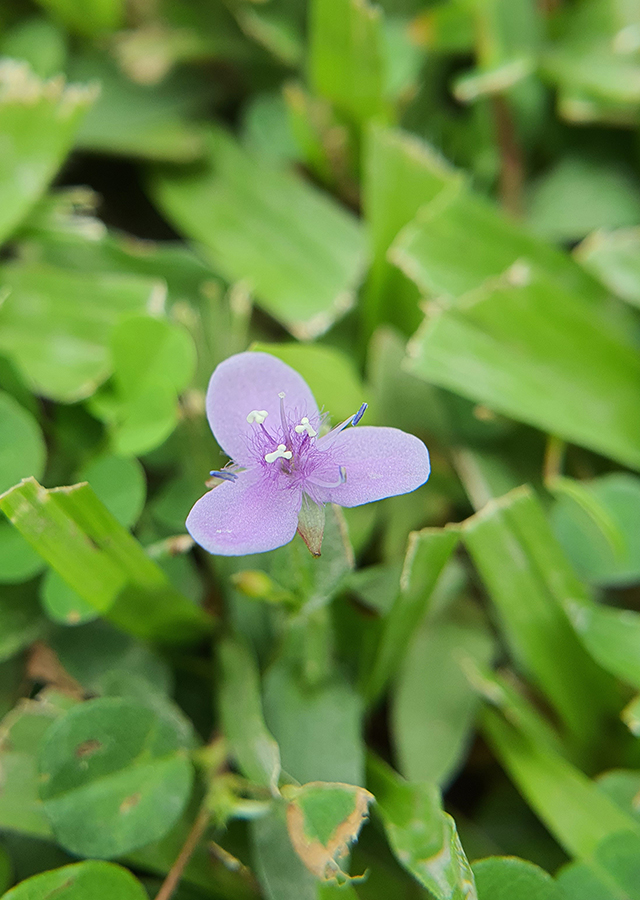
323,820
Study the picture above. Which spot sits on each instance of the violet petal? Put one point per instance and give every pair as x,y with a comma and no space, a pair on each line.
379,462
245,516
252,381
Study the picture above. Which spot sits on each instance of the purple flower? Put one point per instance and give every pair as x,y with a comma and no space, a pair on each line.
263,415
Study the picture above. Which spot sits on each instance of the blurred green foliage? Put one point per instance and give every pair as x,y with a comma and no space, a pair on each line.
433,207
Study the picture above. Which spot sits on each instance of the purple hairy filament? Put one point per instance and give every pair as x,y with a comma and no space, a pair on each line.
292,455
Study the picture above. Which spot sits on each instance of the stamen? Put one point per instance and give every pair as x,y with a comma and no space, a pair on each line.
257,415
359,414
224,475
326,484
280,453
283,418
305,426
352,420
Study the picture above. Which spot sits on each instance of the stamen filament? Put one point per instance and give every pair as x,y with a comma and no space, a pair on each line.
326,484
352,420
223,475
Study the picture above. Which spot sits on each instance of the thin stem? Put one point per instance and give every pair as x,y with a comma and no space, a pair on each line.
511,157
553,459
172,880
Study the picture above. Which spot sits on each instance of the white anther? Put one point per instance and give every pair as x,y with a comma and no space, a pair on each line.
305,426
280,453
257,415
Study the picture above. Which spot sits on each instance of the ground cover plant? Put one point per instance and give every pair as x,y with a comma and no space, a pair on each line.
426,218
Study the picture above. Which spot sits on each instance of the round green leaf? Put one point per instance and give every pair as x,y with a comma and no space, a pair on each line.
20,619
115,776
18,561
89,880
62,604
505,878
22,449
120,484
150,351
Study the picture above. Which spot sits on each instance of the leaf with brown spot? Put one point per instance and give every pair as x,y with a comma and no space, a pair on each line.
88,748
323,820
129,802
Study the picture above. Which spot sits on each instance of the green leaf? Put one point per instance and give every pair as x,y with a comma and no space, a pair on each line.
279,870
6,870
531,350
114,776
22,448
428,551
573,808
141,121
46,319
18,561
422,836
301,253
95,17
330,374
120,484
153,361
37,41
88,880
20,619
579,195
578,882
401,174
96,557
323,820
103,660
39,120
267,27
250,742
346,57
612,636
614,259
62,603
528,580
318,728
459,240
598,526
503,878
434,706
20,735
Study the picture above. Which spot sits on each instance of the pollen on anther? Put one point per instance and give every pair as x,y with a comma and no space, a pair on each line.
280,453
305,426
257,415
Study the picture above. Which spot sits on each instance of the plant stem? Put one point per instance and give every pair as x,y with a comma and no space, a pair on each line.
172,880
